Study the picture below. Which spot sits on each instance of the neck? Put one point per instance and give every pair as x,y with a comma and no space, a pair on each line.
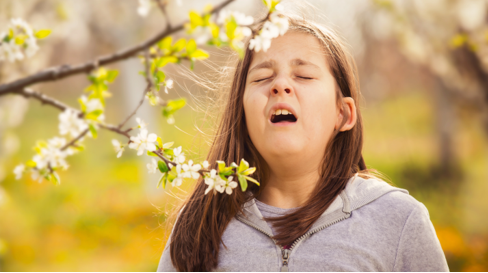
289,186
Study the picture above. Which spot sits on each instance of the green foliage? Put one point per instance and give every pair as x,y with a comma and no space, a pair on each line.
100,80
43,33
162,166
172,106
93,130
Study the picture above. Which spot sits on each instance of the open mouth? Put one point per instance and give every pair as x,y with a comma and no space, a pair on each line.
283,115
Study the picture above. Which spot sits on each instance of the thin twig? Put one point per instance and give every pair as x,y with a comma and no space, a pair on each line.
162,7
150,85
63,71
73,141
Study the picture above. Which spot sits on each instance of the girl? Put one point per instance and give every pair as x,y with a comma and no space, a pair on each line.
293,113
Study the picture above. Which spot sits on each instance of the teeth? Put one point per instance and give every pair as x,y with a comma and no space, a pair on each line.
282,112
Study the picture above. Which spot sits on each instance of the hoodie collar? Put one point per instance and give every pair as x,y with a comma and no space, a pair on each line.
358,192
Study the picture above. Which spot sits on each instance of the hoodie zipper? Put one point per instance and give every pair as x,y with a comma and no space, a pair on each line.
285,253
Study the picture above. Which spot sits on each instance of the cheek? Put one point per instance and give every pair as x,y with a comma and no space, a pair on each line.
320,115
254,107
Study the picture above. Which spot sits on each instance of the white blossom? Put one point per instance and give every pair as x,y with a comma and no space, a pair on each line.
258,43
153,166
12,51
119,148
143,141
141,123
179,156
205,164
22,25
168,85
179,178
92,104
280,22
51,154
71,124
241,18
214,181
18,171
202,34
273,28
144,7
229,185
36,175
191,171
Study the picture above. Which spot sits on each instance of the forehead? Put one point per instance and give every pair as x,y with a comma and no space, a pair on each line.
291,47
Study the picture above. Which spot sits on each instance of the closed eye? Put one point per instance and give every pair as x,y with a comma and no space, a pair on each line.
260,80
305,78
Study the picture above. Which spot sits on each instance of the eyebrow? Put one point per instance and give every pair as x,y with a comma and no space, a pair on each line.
299,62
295,62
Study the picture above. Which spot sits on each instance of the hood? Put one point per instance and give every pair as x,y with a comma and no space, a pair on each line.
358,192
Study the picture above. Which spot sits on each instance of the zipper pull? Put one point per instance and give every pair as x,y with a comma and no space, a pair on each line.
284,256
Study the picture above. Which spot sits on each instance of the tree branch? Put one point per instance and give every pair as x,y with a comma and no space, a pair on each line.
59,72
162,7
28,93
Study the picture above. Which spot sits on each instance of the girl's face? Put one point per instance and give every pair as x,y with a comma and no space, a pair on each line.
292,76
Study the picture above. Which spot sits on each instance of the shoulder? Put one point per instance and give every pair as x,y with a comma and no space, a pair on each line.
394,208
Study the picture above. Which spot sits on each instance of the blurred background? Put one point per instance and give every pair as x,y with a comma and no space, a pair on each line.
423,69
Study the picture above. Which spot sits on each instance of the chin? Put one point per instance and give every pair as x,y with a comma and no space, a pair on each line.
282,147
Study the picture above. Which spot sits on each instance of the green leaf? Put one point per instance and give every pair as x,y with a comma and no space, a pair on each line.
55,178
169,152
78,147
20,39
162,180
230,28
160,76
149,153
165,60
191,47
195,20
82,105
214,28
251,179
160,142
162,166
43,33
179,45
199,54
93,130
168,145
221,165
165,43
93,115
243,182
31,163
243,165
249,171
111,75
172,106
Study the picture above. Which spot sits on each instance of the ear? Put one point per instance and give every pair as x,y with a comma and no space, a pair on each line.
348,110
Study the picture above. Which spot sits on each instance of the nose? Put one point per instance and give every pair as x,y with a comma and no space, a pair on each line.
281,86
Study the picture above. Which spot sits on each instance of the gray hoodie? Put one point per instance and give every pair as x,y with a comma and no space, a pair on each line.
370,226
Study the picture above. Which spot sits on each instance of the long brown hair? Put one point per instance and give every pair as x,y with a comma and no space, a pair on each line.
197,233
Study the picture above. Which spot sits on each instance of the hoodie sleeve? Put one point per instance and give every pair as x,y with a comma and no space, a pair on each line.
165,264
419,248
